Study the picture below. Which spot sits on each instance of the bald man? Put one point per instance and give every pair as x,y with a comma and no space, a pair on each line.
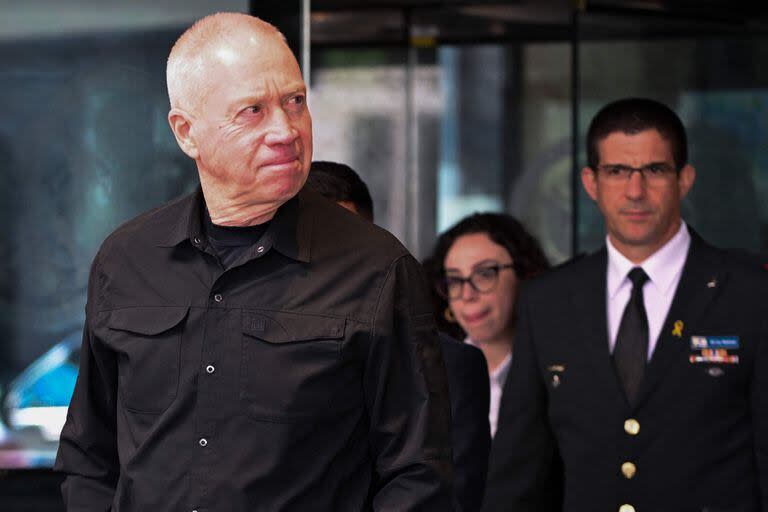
238,354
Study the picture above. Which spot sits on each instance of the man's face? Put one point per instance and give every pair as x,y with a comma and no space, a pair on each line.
252,131
641,212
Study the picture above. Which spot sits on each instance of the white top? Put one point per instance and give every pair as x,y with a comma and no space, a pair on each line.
496,378
664,268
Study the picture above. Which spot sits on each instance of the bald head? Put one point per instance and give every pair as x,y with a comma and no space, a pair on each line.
211,42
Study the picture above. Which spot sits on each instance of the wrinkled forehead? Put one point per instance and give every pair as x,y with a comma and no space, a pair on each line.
248,68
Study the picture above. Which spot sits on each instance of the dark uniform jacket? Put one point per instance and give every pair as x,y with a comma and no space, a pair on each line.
697,439
306,376
470,392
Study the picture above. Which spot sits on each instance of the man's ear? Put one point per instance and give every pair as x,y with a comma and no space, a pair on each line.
589,181
685,179
181,125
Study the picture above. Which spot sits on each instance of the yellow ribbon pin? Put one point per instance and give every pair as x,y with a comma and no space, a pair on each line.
678,330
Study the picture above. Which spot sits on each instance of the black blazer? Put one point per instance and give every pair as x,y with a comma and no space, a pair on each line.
469,390
697,437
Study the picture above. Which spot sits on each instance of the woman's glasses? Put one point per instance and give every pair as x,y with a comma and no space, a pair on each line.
482,279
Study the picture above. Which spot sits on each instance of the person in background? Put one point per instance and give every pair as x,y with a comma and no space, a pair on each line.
465,365
251,347
640,377
342,185
478,266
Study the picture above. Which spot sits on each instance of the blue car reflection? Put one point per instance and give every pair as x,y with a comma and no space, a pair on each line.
38,398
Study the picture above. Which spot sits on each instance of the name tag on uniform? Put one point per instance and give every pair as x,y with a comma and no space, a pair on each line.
714,342
714,349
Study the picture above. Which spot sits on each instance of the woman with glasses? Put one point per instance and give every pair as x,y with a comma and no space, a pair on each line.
477,267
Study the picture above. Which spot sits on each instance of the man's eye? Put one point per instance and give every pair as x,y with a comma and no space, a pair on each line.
255,109
296,103
656,169
611,171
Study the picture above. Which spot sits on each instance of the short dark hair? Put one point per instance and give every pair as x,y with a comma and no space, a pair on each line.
635,115
339,182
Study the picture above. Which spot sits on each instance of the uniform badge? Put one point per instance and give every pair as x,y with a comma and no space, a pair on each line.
714,350
556,370
678,328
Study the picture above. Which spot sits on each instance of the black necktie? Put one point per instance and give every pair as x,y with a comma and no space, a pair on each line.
631,350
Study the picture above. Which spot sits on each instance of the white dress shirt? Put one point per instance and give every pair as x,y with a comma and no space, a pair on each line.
664,268
497,378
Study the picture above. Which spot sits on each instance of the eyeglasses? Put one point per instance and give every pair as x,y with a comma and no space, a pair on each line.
652,174
482,279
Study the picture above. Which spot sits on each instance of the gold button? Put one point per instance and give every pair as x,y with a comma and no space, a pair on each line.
628,470
632,427
626,508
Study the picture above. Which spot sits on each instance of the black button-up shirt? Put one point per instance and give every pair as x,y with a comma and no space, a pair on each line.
307,376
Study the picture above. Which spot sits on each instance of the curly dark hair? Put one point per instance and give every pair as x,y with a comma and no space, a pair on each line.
528,258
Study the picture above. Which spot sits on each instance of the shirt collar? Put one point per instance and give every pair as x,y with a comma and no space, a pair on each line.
662,267
289,232
499,375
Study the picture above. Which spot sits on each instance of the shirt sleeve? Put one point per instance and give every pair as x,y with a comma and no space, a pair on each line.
406,396
524,474
88,445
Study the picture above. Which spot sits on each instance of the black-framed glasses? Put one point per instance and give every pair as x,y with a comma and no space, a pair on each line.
652,174
482,279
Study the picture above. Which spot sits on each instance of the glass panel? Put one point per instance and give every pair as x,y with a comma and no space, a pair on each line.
436,133
357,100
505,140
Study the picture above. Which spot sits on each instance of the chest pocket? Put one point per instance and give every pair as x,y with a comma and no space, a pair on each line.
148,341
291,368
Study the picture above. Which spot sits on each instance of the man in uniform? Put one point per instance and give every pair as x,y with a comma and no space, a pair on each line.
640,377
251,347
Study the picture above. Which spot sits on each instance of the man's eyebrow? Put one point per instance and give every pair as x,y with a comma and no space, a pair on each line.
631,167
259,94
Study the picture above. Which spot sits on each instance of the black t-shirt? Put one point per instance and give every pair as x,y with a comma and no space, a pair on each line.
231,242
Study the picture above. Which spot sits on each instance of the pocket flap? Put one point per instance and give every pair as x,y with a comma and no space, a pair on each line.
147,320
282,327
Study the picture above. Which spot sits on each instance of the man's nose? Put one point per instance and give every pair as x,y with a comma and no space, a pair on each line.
635,187
280,129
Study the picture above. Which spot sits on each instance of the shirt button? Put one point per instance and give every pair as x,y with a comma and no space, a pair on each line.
203,442
628,470
626,508
632,427
218,297
260,249
196,241
210,368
